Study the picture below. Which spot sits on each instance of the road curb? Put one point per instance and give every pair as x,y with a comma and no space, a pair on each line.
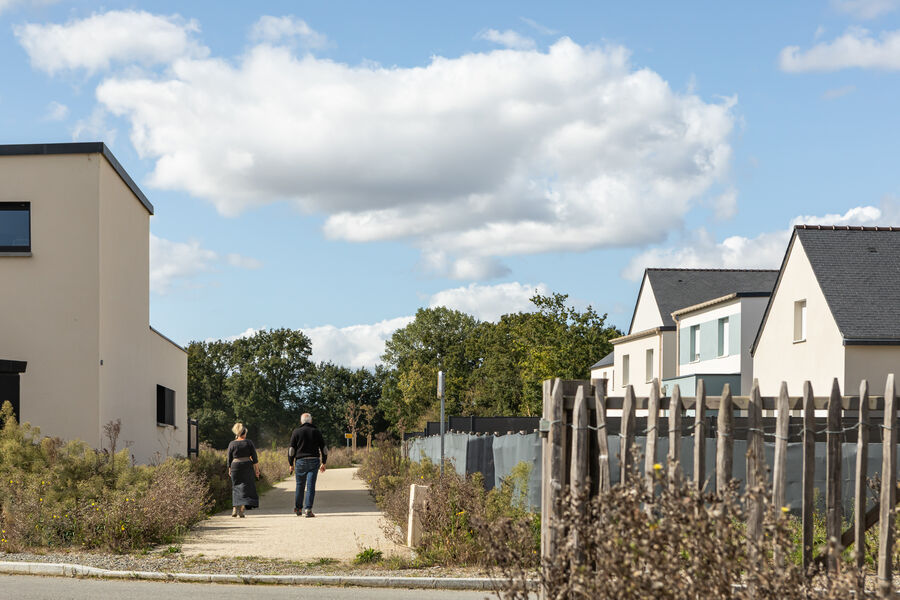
82,571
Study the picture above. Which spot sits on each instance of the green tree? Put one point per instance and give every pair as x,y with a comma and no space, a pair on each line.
332,388
209,367
435,340
271,371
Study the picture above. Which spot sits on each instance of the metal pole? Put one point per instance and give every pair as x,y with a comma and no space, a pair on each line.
440,391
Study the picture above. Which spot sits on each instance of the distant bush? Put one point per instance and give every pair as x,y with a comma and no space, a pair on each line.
343,457
459,517
210,466
55,493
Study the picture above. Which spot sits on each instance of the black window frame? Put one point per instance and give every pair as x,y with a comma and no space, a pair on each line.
18,206
165,406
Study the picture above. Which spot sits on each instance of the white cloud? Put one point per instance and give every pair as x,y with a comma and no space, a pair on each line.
56,111
95,127
700,250
856,48
866,9
838,92
180,262
98,41
490,302
353,346
273,30
249,332
509,39
478,157
542,29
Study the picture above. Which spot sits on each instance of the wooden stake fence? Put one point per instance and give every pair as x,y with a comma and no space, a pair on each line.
576,427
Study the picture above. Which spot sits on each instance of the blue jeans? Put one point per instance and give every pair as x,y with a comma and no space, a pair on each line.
305,472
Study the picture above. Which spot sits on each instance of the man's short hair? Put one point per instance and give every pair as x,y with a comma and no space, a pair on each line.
305,418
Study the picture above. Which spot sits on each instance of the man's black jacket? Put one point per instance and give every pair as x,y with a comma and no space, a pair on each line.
307,442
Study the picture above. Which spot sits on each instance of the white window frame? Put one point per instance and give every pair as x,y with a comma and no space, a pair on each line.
800,321
649,364
695,343
626,365
724,333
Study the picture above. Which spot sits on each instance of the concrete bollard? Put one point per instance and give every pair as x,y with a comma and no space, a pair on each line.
416,504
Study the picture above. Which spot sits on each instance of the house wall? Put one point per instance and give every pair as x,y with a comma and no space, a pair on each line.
135,358
636,349
752,311
50,300
708,320
873,363
607,373
778,358
646,312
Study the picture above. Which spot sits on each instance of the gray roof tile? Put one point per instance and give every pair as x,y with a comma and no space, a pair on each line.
680,288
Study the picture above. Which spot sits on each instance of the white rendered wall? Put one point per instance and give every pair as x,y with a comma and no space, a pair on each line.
646,313
778,357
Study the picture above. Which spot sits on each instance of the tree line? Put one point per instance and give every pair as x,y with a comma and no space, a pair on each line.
491,368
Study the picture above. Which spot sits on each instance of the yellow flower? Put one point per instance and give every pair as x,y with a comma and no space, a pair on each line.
123,528
785,509
657,467
40,499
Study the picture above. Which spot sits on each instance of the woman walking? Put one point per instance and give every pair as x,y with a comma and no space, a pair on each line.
243,465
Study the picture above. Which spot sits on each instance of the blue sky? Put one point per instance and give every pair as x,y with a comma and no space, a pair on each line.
335,166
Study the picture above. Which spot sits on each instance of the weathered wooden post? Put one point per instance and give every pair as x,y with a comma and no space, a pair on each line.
809,472
862,459
755,464
627,434
833,474
580,471
725,441
652,435
675,407
888,490
602,434
779,475
700,437
553,467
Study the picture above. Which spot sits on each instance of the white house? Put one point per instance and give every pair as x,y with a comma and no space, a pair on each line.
834,313
77,348
714,340
650,350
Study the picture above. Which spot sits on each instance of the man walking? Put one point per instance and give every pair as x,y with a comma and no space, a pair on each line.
303,456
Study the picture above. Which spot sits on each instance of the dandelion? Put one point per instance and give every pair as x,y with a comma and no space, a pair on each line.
785,509
657,467
123,528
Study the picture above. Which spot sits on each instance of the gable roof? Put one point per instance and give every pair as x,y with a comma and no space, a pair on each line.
858,269
675,289
606,361
79,148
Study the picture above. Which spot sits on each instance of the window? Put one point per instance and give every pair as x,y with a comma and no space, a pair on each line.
15,227
800,321
165,406
649,365
723,336
695,343
626,379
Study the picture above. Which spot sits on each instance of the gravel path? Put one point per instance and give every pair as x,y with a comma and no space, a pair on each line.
346,522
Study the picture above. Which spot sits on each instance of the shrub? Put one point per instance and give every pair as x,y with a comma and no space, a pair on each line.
675,543
459,515
367,556
55,494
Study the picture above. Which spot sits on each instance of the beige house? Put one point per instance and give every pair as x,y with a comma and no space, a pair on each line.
650,350
74,295
835,312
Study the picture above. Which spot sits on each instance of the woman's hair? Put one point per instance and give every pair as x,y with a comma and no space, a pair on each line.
238,430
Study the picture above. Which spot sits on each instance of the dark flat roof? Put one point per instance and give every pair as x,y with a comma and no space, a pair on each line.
12,366
78,148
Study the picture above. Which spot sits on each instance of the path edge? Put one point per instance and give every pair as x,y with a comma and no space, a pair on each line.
83,571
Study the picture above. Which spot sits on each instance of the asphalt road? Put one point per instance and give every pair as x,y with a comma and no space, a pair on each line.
26,587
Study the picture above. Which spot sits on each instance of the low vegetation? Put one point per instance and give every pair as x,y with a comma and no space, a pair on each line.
56,494
460,518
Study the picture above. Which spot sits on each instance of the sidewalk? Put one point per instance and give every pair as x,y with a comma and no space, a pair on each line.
346,522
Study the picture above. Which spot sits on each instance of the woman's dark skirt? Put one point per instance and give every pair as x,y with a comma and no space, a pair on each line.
243,485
